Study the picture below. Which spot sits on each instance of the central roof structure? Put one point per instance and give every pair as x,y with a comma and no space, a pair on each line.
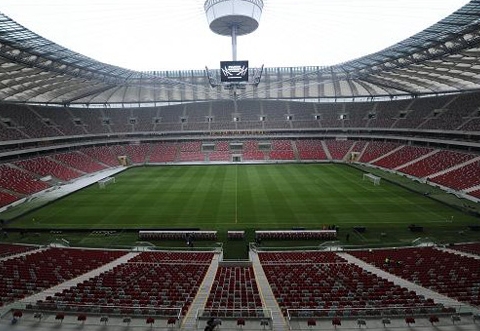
444,58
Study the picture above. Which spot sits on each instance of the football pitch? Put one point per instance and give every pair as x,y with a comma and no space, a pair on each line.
253,197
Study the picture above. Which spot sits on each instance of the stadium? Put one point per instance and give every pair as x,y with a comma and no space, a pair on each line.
254,198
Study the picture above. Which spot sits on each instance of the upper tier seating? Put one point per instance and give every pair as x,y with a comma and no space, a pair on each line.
46,166
144,118
436,163
119,120
28,121
461,178
357,114
454,112
386,113
19,181
144,285
331,287
453,116
450,274
234,292
26,275
61,119
402,156
471,125
93,120
330,115
419,111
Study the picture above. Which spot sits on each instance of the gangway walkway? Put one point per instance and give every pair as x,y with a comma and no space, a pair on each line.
278,320
190,320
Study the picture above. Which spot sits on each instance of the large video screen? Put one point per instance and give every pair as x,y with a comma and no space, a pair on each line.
234,71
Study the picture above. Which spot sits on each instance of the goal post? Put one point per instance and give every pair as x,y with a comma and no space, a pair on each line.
102,183
370,177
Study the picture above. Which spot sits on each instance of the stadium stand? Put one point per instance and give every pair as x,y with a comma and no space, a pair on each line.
93,120
191,151
451,274
118,120
475,194
30,123
144,119
376,149
281,150
102,154
402,156
310,150
150,284
137,153
234,292
61,119
7,198
32,273
13,249
461,178
386,113
48,166
339,148
472,248
19,181
163,152
452,117
326,286
251,151
79,162
436,163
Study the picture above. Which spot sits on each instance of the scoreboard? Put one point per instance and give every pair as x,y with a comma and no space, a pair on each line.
233,71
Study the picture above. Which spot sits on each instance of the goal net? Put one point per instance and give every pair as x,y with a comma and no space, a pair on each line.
374,179
106,181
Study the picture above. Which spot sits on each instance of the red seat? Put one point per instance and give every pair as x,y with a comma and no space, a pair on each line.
150,320
336,322
433,319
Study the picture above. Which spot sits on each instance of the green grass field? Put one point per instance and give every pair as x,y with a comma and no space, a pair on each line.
249,197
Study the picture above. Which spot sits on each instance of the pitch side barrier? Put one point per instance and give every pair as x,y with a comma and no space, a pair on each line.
296,234
177,235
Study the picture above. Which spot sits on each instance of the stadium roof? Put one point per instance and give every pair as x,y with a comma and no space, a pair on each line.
443,58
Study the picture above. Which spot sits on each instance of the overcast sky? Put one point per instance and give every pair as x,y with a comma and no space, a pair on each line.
174,34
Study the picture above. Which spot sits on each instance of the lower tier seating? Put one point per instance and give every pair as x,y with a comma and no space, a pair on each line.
453,275
339,289
26,275
234,292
